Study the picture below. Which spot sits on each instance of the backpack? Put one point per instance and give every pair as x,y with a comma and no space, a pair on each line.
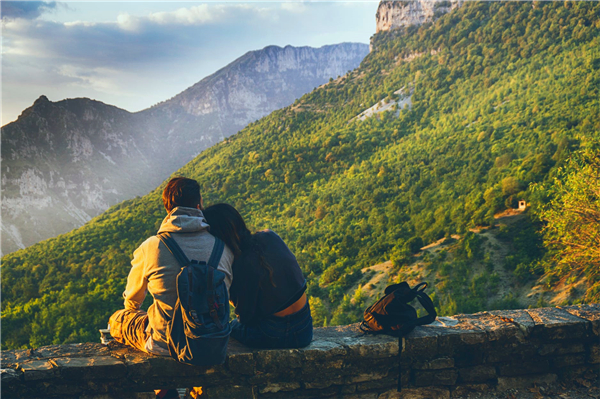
393,315
199,330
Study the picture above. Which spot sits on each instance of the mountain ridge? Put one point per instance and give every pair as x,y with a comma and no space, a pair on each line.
134,154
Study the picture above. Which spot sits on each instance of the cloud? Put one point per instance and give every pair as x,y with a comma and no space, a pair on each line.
25,9
294,7
195,15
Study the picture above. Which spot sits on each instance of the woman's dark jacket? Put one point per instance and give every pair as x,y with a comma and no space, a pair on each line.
252,292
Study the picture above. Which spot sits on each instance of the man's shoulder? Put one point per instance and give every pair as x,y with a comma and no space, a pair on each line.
150,242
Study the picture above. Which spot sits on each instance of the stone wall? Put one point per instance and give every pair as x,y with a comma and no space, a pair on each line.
481,352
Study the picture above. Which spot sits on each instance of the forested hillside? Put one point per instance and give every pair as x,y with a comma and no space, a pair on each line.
496,97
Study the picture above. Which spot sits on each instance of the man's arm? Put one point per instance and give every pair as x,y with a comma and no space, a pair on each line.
137,283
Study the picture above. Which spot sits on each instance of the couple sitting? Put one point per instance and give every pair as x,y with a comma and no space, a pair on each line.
265,282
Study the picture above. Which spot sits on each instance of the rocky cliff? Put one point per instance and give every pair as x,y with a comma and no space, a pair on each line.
65,162
392,14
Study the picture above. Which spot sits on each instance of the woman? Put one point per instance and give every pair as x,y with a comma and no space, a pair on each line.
268,289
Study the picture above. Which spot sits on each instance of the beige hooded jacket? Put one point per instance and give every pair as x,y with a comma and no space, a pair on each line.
155,269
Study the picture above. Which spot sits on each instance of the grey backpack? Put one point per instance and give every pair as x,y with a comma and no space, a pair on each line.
199,331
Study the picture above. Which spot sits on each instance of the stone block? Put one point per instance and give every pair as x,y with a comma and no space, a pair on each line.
332,391
353,366
464,391
378,385
423,378
505,383
367,377
102,367
466,346
372,347
594,356
11,381
37,370
499,326
137,365
533,366
242,363
322,351
568,360
513,352
417,393
11,358
280,387
560,349
87,349
163,367
325,371
346,389
9,376
589,312
476,374
421,343
262,378
62,390
569,373
362,395
557,324
326,384
520,318
271,361
435,364
8,359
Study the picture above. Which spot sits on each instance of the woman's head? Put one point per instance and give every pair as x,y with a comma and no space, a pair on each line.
227,224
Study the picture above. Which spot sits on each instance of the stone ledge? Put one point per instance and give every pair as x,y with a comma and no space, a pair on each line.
494,349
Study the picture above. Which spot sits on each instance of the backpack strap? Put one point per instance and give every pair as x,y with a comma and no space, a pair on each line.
426,302
174,248
216,254
213,263
399,363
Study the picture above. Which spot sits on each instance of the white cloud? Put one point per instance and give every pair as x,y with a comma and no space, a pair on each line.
128,23
188,16
294,6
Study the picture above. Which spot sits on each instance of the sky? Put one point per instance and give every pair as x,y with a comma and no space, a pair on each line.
136,54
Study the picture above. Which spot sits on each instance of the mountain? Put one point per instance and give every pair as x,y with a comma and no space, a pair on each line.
443,126
65,162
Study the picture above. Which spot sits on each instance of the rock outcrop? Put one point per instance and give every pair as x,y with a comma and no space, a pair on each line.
65,162
393,14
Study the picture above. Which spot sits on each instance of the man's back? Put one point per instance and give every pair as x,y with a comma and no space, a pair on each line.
155,269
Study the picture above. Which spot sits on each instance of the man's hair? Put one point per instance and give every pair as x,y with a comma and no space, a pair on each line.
181,191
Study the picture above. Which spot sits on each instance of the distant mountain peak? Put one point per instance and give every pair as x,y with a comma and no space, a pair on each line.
41,99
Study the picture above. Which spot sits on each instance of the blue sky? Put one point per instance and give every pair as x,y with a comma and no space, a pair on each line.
135,54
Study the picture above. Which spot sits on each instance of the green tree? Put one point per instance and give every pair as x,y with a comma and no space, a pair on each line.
573,219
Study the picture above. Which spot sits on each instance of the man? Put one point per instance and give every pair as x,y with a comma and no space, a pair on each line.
155,269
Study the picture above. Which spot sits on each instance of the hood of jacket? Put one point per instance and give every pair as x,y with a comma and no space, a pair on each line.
184,220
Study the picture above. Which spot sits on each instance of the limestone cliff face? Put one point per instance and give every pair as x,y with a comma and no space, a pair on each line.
393,14
258,83
65,162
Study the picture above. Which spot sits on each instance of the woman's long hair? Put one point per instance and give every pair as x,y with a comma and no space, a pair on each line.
227,224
